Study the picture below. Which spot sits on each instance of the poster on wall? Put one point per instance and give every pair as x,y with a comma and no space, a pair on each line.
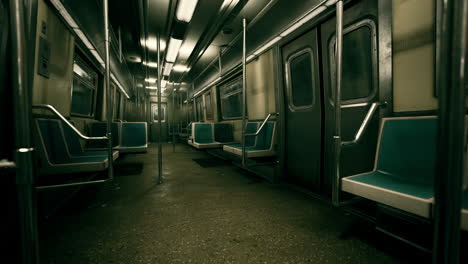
154,111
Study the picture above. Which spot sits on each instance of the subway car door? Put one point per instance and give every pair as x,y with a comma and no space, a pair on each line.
303,111
359,87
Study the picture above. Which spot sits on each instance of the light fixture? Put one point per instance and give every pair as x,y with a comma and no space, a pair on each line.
173,49
151,87
185,9
83,38
180,68
167,68
152,44
267,46
119,85
150,80
97,56
150,64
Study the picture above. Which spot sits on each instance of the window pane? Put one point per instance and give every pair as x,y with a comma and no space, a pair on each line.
357,64
301,80
154,109
82,102
209,106
231,99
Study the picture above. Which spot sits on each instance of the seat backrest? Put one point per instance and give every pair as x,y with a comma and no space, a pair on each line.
250,127
133,134
72,139
223,132
99,129
203,133
407,148
265,137
54,143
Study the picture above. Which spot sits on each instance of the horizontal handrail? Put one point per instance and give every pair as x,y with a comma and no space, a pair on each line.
57,113
365,124
262,125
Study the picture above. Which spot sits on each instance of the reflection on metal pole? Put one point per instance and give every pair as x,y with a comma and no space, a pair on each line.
24,152
159,113
337,102
244,86
108,90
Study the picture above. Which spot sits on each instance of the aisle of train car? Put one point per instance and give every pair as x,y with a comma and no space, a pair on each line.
216,214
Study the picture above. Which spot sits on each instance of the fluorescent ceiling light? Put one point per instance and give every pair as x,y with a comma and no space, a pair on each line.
185,9
97,56
151,44
119,85
167,68
173,49
151,87
150,64
180,68
303,21
150,80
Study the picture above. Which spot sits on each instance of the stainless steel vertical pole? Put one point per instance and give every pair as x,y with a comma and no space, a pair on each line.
450,86
160,180
173,119
24,151
108,90
244,86
337,135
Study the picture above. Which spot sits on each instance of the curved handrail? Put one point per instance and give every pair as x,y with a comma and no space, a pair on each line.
262,125
57,113
365,124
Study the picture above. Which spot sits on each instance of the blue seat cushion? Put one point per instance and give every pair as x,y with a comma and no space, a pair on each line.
397,184
203,134
133,135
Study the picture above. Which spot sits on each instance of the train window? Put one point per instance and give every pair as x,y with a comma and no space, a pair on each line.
359,55
231,99
85,82
154,110
300,80
209,106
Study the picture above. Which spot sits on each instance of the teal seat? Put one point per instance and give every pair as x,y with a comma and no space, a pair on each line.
54,154
203,134
76,149
256,146
133,137
403,176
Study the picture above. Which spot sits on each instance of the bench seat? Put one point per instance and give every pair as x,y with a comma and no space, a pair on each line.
404,169
261,145
53,152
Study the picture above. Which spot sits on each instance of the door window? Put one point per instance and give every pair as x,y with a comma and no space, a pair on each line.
299,80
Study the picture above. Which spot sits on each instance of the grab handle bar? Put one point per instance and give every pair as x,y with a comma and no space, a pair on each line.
57,113
262,125
365,124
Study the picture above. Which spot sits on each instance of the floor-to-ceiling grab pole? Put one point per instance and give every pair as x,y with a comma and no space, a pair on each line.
24,151
108,90
337,102
173,119
159,138
244,86
450,149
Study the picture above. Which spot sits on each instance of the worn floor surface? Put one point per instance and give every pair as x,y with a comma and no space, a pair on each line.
216,214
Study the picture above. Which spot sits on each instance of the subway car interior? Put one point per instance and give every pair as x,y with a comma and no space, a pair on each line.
234,131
